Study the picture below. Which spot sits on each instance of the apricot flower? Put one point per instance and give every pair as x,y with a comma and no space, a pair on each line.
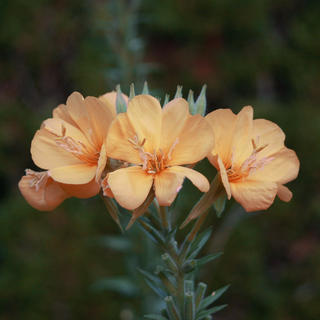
157,142
251,158
72,145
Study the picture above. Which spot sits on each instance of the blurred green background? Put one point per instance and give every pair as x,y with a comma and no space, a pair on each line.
72,263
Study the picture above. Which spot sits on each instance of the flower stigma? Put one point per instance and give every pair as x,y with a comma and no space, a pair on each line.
251,165
77,148
152,162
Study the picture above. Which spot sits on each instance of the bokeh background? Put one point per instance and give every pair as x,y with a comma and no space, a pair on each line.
72,263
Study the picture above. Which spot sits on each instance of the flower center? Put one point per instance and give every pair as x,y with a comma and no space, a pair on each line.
251,165
77,148
152,162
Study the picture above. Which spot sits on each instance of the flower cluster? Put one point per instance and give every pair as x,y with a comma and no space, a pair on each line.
89,146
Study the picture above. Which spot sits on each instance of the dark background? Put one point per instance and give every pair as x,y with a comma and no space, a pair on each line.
72,263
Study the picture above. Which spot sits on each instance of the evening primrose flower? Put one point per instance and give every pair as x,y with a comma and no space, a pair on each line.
157,143
71,146
251,158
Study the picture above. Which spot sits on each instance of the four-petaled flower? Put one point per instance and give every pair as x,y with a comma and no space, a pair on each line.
157,142
251,158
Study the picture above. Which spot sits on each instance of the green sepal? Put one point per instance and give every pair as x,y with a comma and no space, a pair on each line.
198,243
206,313
166,100
132,93
155,283
201,103
145,89
155,317
220,204
192,106
120,102
178,92
212,298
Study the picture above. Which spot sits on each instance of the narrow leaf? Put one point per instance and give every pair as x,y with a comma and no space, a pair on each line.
198,243
155,317
212,298
206,313
206,259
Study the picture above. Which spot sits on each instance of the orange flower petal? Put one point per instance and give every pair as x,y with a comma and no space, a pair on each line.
130,186
167,184
74,174
82,191
100,119
61,112
241,140
196,141
199,180
145,114
118,146
224,177
282,169
269,133
110,100
254,195
284,193
44,199
46,154
222,122
102,161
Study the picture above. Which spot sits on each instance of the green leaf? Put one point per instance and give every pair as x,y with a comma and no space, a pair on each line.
122,285
145,89
166,100
120,102
178,92
198,243
212,298
206,313
220,204
192,106
162,294
201,103
206,259
155,317
171,234
155,281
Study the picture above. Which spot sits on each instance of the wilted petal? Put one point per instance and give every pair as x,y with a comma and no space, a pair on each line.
130,186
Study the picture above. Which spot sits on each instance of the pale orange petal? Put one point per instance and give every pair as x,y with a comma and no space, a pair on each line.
79,113
269,134
195,142
224,177
241,141
284,193
253,196
167,184
110,99
83,191
46,154
100,119
61,112
222,122
145,114
282,169
174,116
130,186
75,174
118,146
36,198
106,188
102,161
199,180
